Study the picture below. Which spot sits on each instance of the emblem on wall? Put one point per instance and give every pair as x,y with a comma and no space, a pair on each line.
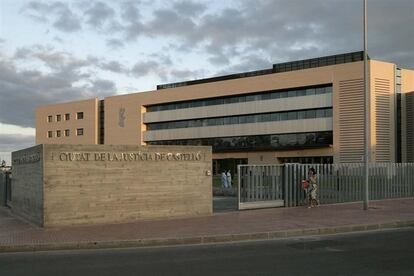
121,117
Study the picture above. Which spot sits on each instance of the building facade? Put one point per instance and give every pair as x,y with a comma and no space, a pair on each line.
308,111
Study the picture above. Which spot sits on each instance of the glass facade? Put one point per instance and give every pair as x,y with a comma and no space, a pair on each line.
258,142
257,96
245,119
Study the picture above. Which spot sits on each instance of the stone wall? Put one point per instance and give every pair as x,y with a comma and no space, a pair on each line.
27,184
111,184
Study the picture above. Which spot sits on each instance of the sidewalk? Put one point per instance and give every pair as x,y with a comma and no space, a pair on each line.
17,235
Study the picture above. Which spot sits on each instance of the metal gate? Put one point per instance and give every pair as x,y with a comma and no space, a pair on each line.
260,186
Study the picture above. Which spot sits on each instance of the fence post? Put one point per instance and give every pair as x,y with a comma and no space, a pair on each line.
285,177
238,184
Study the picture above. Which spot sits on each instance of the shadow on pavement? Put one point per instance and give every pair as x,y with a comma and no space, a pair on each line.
224,204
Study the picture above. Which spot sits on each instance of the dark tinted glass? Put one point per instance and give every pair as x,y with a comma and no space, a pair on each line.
259,142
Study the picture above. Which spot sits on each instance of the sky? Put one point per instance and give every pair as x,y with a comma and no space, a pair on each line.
59,51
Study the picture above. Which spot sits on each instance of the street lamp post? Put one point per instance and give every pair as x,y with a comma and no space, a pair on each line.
367,112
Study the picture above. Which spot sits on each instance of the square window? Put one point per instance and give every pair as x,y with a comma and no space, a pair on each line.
79,131
79,115
49,118
67,132
67,117
58,118
49,134
58,133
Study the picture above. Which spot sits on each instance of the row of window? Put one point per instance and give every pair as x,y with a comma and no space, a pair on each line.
58,117
245,119
259,96
258,142
66,133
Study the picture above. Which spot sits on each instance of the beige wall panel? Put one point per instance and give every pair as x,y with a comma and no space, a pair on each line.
347,94
89,192
280,127
276,105
89,123
383,120
407,80
27,184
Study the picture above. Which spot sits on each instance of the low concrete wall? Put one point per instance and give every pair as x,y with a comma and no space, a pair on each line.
111,184
27,184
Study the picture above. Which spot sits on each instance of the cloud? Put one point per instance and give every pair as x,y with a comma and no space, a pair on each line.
130,11
144,68
13,142
114,43
98,14
281,30
23,89
63,17
189,8
177,75
113,66
103,86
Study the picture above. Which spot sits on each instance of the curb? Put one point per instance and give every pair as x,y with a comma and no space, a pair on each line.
204,239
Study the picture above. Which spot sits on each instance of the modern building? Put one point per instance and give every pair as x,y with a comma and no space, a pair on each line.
309,111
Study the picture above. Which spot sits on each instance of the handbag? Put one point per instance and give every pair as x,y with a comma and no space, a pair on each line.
305,184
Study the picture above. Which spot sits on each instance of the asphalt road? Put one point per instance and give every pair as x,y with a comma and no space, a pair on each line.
375,253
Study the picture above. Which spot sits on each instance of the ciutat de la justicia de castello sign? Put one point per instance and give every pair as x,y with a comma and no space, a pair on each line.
126,156
59,184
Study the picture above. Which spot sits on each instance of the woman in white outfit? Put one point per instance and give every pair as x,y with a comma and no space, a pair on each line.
224,179
228,174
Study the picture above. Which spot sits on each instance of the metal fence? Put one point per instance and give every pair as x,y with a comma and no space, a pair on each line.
336,183
5,188
260,186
